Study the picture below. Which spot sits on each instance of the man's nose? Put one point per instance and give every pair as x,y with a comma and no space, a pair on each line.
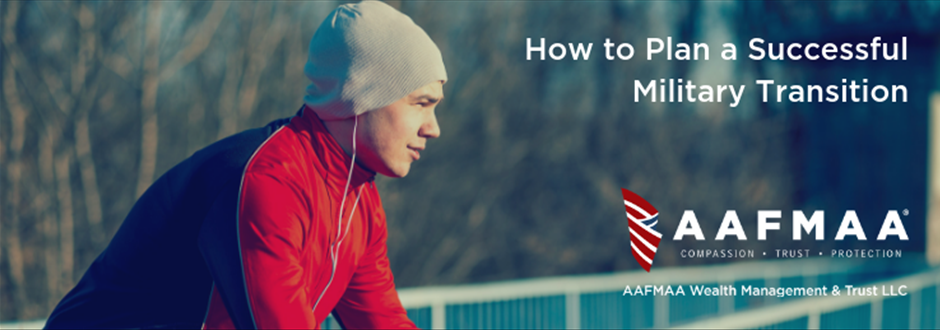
430,129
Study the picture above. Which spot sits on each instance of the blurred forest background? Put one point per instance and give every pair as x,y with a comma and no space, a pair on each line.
100,98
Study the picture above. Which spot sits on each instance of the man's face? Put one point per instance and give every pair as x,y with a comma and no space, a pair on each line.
392,137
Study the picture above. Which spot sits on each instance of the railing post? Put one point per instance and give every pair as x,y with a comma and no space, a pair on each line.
771,279
812,321
438,315
876,310
726,303
661,312
573,309
914,317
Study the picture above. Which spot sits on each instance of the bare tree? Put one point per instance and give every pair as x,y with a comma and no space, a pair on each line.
148,103
86,56
16,140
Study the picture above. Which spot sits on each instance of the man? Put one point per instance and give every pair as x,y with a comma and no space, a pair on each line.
279,226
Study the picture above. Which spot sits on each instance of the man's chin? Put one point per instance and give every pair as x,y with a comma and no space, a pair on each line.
397,172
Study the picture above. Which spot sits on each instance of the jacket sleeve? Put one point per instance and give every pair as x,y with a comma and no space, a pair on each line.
272,233
370,301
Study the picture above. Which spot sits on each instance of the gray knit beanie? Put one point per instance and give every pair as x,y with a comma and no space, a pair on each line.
365,56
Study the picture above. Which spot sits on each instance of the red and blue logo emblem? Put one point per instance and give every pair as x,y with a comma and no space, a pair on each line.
643,217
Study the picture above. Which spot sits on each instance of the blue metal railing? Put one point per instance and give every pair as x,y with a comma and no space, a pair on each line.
597,301
912,307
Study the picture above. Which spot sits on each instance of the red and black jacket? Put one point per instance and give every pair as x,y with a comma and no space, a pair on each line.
244,234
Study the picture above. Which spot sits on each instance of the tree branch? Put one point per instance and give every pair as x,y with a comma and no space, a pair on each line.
18,117
199,44
148,103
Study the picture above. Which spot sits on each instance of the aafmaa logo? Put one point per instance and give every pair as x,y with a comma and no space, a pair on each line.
643,217
644,239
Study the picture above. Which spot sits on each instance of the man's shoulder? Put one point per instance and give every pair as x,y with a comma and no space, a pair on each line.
284,152
239,147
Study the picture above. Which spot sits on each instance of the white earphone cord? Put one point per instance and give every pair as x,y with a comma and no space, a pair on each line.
339,225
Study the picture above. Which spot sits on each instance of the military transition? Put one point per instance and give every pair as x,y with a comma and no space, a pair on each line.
678,91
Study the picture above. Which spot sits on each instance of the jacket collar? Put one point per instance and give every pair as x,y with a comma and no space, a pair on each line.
334,159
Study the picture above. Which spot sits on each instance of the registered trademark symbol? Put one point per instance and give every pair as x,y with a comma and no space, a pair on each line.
905,212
